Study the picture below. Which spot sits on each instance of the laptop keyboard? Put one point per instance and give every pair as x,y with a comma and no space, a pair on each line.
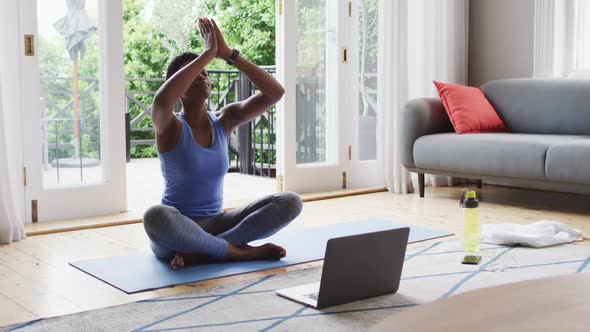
313,296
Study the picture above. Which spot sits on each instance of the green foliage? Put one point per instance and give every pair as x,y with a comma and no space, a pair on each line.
368,33
145,53
145,57
56,70
248,25
311,41
143,151
53,61
368,56
310,124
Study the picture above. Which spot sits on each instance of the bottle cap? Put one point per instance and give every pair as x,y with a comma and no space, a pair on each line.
470,201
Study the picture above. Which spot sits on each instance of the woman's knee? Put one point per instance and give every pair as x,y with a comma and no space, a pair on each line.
156,218
292,204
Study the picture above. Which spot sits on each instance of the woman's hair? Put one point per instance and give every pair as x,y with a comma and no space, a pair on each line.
178,62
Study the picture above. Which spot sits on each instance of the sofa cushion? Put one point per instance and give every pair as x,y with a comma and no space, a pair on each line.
542,105
569,162
494,154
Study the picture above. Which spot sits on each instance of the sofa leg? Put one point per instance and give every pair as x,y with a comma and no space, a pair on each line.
421,184
478,184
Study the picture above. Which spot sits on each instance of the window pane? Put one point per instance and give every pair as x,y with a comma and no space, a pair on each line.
368,79
311,81
70,121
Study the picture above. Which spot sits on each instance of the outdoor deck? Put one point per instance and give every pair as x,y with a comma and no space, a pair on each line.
145,185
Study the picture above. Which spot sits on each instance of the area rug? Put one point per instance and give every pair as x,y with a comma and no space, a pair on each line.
430,272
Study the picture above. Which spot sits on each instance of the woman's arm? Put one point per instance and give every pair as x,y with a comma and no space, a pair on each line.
271,91
176,86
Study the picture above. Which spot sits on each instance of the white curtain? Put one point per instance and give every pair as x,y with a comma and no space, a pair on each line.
392,91
419,41
553,38
561,34
11,202
581,43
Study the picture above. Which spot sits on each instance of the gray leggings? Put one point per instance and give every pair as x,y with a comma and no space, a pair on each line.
171,232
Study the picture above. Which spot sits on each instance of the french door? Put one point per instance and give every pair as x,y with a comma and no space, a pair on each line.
72,88
327,62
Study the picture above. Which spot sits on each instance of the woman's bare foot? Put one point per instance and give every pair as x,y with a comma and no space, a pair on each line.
180,260
247,253
268,251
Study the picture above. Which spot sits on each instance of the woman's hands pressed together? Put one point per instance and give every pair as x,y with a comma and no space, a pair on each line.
223,51
209,34
213,40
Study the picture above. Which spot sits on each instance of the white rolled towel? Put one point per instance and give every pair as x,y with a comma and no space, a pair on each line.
538,234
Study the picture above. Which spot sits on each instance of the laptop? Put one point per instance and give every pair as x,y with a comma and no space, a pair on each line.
356,267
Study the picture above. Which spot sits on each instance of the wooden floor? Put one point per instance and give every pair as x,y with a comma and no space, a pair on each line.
36,280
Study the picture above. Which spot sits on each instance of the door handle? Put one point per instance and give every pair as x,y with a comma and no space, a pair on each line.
29,45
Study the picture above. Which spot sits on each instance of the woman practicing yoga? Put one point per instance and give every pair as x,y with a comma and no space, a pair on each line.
189,226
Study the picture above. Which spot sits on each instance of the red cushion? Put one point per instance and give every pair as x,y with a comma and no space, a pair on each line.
469,110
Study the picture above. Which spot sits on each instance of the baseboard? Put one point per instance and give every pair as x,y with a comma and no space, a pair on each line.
134,217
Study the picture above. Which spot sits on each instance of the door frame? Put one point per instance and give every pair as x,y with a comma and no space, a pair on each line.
344,170
314,176
85,200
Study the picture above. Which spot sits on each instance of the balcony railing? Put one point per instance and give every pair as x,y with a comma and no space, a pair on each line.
252,147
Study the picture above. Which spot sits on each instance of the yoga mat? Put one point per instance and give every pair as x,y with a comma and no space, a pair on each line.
143,271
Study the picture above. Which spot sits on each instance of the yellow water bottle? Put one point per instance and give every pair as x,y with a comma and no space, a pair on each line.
470,240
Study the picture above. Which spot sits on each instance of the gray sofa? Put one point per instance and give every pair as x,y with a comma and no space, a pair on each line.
549,147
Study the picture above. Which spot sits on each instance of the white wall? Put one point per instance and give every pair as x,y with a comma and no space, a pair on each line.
500,39
11,44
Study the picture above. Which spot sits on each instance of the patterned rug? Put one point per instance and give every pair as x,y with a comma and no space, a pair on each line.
430,272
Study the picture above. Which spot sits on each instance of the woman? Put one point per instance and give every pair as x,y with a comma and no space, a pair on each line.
190,226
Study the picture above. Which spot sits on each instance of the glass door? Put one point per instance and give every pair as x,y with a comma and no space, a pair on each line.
308,65
327,62
73,108
362,113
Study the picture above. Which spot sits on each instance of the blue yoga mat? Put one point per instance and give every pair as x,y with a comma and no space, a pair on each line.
143,271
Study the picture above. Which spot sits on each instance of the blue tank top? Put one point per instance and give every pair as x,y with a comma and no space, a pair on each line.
193,174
